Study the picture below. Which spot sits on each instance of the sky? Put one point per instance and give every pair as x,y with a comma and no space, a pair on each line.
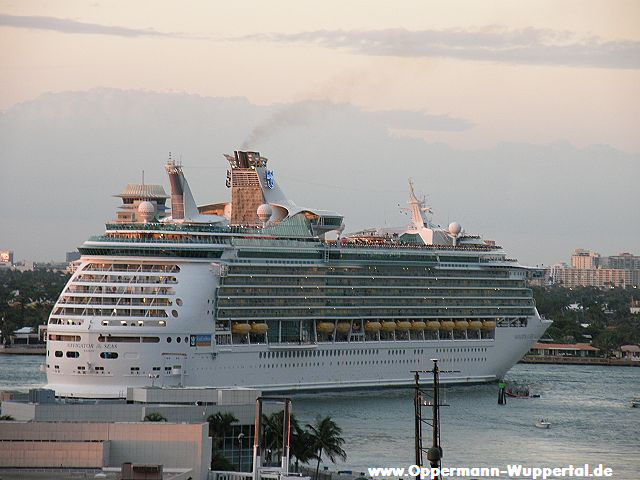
519,118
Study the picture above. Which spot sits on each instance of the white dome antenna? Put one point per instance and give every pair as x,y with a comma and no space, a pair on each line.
264,212
146,211
454,231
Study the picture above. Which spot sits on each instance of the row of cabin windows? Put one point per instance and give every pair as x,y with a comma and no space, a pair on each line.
370,362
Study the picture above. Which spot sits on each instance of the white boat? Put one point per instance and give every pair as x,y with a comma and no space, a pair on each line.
635,402
542,423
249,293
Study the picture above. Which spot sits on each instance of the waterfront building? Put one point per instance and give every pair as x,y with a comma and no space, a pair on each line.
629,352
564,350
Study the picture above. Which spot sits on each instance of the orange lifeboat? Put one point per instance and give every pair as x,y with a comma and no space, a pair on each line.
372,326
343,327
240,328
325,327
259,327
418,325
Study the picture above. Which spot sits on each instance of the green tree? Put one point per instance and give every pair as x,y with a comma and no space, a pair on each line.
301,447
6,417
299,439
219,425
154,417
325,437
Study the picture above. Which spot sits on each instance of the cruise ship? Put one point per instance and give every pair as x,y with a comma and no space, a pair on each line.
260,292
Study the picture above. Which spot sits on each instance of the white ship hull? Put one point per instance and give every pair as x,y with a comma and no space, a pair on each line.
269,367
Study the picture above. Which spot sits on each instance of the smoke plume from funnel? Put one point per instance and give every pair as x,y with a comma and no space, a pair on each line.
292,115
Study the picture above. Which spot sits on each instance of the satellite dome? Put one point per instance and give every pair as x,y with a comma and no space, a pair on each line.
146,211
264,212
454,228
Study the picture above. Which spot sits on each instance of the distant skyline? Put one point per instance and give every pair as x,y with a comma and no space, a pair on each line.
517,118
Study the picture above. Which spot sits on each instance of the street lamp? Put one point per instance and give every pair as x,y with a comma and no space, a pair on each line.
240,437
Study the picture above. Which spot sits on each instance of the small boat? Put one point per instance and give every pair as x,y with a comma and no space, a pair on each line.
517,392
542,423
635,402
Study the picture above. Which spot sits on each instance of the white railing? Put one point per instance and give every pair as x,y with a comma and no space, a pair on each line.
218,475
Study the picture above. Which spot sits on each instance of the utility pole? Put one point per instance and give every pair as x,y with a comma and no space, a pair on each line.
434,453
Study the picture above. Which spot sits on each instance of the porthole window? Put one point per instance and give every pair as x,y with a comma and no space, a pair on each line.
109,355
186,339
174,313
178,339
58,353
168,339
73,354
179,302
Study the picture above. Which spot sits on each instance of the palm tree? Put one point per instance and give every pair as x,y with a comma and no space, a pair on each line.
219,425
302,448
325,436
154,417
299,441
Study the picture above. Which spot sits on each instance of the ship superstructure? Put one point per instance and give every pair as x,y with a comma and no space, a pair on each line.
250,293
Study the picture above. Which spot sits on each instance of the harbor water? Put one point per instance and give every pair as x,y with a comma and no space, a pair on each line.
588,407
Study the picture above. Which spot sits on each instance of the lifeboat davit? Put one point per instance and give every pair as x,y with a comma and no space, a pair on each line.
418,325
259,328
388,326
462,325
343,327
475,325
433,325
240,328
447,325
403,325
372,326
325,327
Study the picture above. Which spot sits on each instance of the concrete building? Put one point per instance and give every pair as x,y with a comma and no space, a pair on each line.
589,269
590,277
177,405
625,261
584,259
177,446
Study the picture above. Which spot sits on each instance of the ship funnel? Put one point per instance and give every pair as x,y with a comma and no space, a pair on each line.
182,203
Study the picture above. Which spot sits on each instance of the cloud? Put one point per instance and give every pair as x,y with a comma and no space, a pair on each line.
532,46
65,25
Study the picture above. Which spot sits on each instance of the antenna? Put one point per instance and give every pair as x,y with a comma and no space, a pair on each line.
143,178
421,399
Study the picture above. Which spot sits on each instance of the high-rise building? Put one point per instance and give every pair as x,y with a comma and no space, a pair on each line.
590,269
625,261
6,258
585,259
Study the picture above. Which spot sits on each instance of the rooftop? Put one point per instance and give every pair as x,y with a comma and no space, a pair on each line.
564,346
141,190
